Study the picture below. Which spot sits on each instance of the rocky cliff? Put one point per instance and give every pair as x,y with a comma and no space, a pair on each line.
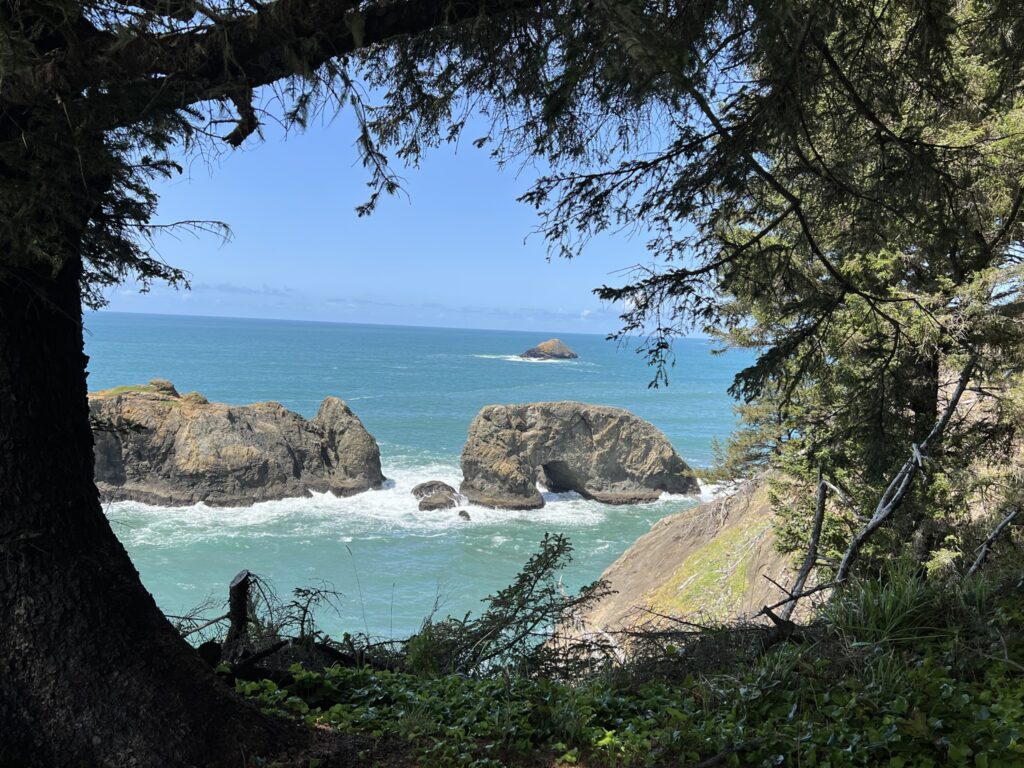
708,563
602,453
156,446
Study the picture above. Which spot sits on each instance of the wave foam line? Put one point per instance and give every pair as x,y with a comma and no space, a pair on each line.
392,511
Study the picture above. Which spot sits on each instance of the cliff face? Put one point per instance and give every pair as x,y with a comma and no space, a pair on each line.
602,453
158,447
708,563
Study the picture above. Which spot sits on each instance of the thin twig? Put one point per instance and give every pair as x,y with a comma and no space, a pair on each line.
211,622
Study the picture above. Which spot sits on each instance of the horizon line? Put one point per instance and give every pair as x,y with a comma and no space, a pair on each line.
606,337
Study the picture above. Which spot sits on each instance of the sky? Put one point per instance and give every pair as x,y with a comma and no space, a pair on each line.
453,249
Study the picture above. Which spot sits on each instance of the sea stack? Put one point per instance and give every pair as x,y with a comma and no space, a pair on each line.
602,453
552,349
158,447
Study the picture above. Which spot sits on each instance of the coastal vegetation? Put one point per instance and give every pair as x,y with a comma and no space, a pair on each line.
902,675
898,671
836,185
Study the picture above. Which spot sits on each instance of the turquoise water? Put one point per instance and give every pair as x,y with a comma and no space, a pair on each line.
416,390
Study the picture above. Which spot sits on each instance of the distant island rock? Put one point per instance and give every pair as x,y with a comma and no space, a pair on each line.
606,454
552,349
158,447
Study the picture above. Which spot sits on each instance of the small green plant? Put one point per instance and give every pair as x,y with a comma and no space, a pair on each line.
894,609
521,630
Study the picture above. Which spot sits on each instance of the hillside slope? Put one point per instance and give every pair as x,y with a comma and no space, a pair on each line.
707,563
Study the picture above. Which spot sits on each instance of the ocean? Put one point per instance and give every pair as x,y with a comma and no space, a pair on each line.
416,390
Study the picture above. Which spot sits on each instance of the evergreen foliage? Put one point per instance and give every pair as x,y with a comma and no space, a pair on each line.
836,185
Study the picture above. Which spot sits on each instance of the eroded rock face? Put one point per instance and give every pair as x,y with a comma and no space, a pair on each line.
602,453
155,446
432,488
715,562
552,349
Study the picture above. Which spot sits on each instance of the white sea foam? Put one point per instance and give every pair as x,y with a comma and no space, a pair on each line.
389,512
544,361
712,491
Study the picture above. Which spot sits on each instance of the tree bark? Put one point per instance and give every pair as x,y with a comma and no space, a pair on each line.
91,673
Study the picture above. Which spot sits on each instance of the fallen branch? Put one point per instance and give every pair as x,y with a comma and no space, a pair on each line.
210,623
796,596
901,483
986,546
812,549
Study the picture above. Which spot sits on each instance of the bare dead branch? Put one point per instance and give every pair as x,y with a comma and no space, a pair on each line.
986,546
902,482
812,547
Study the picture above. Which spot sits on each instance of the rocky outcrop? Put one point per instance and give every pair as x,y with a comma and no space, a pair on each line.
708,563
602,453
158,447
434,495
552,349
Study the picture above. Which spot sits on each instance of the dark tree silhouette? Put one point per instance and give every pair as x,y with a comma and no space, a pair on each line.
92,94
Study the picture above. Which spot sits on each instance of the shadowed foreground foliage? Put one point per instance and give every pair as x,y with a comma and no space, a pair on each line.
894,672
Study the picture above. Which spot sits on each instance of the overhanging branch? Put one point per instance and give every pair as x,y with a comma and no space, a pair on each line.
148,73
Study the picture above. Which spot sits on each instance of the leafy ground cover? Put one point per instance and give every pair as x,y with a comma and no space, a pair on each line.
897,672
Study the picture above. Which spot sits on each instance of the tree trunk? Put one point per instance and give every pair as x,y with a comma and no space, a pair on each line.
924,402
91,673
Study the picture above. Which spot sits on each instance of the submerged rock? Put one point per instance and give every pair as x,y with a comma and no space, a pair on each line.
602,453
157,447
432,488
552,349
434,495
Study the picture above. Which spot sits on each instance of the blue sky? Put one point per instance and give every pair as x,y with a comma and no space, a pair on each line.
453,249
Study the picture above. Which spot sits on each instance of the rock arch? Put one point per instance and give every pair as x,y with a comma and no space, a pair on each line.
603,453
